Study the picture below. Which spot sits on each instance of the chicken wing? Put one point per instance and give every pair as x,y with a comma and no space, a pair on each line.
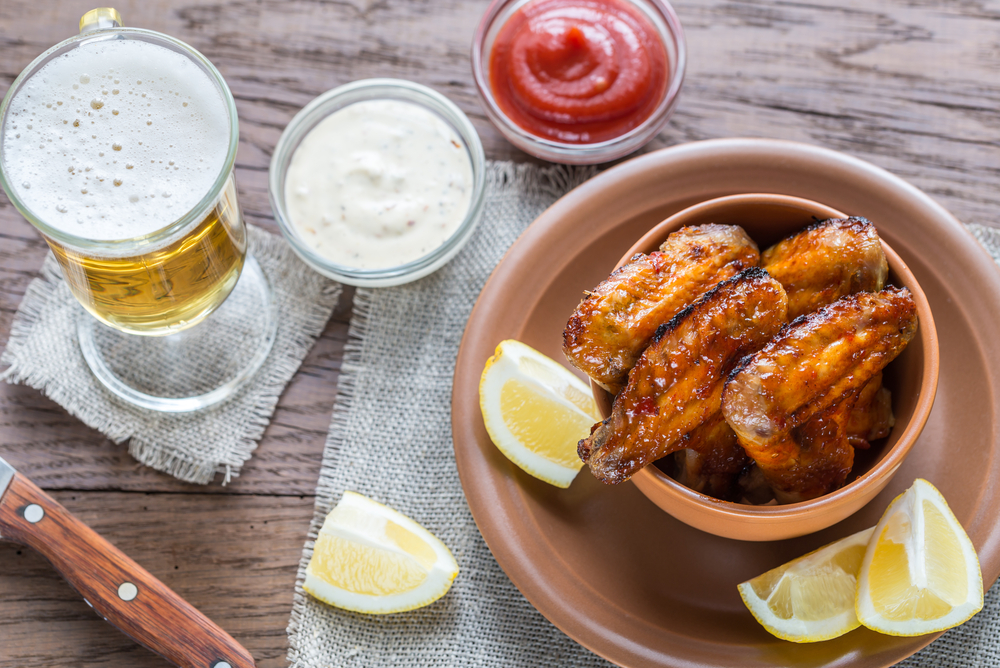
872,416
820,452
790,403
712,459
616,321
677,383
827,261
813,459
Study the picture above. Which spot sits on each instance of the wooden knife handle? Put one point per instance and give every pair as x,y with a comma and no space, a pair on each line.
119,589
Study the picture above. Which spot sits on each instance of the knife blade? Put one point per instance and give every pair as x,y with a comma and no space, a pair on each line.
117,588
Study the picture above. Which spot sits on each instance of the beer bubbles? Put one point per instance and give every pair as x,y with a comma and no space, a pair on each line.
90,136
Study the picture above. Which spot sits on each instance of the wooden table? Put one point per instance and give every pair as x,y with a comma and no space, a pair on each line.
910,85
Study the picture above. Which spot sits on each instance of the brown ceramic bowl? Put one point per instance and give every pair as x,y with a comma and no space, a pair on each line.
912,377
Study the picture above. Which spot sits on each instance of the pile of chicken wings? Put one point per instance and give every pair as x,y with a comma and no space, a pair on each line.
748,376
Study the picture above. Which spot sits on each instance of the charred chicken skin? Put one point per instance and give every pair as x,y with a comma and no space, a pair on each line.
616,321
677,383
827,261
790,403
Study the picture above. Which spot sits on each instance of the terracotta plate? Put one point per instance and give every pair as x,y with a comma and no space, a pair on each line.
604,564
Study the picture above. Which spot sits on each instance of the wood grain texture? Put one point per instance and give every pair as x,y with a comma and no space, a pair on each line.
908,84
233,557
148,611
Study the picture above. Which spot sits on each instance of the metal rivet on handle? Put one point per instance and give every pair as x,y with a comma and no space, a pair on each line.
127,591
221,664
34,513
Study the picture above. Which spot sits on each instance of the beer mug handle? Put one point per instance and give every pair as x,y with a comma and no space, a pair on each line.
100,18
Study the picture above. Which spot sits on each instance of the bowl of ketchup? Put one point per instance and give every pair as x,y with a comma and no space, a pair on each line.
579,81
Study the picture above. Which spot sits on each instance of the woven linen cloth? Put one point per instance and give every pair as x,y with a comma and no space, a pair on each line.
43,353
394,404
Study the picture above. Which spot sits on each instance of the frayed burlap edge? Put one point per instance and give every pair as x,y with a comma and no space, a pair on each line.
289,350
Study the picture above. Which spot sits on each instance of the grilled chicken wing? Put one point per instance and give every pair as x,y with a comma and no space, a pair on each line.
814,459
790,403
616,321
872,416
677,383
712,459
827,261
715,463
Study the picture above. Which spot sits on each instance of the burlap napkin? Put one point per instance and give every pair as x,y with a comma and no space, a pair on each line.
43,353
394,404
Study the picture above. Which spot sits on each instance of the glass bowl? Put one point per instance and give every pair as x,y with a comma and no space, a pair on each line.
359,91
663,18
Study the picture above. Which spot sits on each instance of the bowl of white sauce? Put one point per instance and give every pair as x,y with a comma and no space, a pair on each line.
378,182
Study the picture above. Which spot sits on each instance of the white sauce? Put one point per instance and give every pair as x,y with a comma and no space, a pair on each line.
378,184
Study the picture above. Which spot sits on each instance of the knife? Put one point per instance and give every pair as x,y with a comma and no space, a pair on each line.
118,589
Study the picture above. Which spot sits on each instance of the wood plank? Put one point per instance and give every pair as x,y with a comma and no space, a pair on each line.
904,85
234,557
907,84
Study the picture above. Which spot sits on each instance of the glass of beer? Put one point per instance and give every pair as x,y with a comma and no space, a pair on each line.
118,145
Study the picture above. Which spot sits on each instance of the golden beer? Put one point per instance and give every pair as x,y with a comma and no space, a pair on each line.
118,145
121,153
166,289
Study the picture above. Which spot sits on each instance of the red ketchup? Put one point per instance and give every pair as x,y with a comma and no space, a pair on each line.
578,71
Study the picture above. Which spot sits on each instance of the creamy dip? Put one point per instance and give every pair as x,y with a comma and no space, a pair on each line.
378,184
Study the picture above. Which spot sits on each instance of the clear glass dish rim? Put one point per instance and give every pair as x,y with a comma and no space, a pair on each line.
582,153
357,91
196,213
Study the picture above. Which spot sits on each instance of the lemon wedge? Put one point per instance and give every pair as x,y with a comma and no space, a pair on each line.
920,573
371,558
810,598
536,411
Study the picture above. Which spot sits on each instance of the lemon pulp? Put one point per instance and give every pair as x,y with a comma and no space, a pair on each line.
810,598
921,573
536,411
371,558
542,424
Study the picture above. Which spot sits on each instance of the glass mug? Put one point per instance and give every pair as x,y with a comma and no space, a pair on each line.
159,286
160,292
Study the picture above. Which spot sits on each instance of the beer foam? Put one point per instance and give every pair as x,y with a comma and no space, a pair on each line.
115,139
